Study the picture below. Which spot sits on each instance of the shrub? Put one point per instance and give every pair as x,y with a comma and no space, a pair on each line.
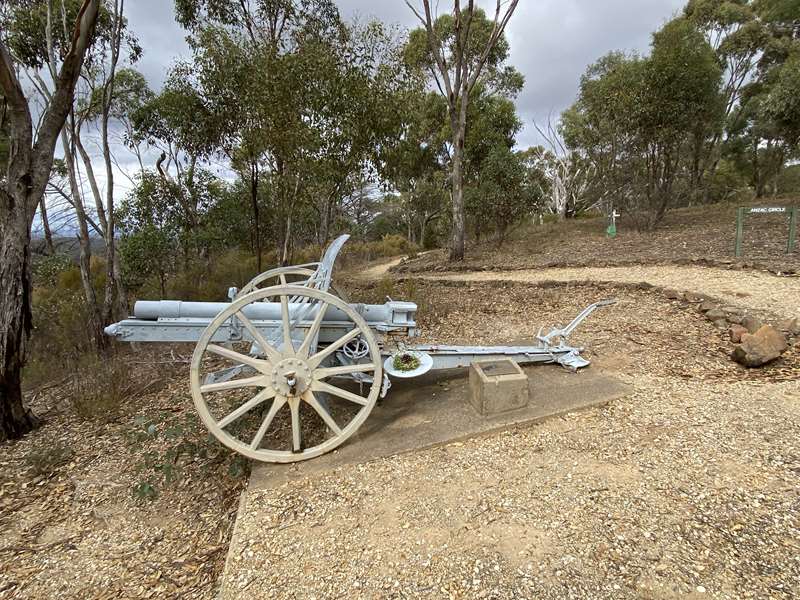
726,184
100,387
387,246
47,269
169,443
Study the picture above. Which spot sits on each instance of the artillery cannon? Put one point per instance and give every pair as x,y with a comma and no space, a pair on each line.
284,340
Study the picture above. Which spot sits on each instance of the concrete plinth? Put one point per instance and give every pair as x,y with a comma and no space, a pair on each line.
497,386
435,409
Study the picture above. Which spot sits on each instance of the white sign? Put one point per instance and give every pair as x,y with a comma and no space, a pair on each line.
769,209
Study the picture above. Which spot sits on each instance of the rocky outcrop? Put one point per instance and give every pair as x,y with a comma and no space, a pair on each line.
759,348
757,344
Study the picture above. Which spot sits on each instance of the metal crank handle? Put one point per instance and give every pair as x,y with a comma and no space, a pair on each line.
566,331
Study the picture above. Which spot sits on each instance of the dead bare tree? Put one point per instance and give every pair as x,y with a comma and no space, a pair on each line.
456,72
28,170
568,180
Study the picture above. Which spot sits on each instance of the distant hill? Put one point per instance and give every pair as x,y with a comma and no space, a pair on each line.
66,245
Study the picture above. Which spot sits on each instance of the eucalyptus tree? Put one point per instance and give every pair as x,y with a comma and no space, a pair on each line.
253,71
568,176
101,106
416,164
160,235
456,49
296,101
635,119
738,37
777,89
38,32
504,192
21,189
178,125
363,81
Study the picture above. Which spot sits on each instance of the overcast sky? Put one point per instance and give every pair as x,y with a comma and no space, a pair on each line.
552,41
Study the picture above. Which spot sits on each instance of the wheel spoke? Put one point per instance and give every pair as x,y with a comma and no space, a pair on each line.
257,381
277,404
325,372
260,397
313,331
315,360
287,330
321,386
238,357
294,406
324,414
272,354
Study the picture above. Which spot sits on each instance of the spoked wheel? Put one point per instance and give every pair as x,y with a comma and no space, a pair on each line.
294,399
282,276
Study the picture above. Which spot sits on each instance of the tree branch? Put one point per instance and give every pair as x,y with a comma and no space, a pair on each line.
61,103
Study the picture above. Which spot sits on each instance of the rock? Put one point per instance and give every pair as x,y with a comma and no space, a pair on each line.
760,348
706,306
737,319
751,323
715,314
733,310
736,332
791,326
694,298
672,295
721,324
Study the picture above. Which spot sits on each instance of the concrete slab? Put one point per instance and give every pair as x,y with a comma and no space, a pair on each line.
435,409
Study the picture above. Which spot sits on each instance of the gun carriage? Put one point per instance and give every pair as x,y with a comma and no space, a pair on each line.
288,354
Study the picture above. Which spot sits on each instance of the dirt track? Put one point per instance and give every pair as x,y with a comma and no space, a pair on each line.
756,290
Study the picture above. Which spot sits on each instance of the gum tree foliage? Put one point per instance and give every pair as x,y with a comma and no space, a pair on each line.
416,167
457,50
767,134
22,186
733,30
38,32
636,118
159,236
753,40
293,99
497,190
782,100
165,123
504,192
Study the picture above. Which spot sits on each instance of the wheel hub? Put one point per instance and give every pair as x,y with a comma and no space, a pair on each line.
291,377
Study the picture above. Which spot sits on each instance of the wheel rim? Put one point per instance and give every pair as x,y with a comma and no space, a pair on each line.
289,376
298,276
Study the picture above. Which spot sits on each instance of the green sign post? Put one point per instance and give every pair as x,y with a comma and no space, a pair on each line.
743,211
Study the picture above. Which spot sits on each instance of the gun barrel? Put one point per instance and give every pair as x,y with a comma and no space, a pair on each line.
149,310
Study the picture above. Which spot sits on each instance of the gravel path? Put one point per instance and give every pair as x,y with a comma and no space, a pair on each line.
751,289
688,488
671,493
